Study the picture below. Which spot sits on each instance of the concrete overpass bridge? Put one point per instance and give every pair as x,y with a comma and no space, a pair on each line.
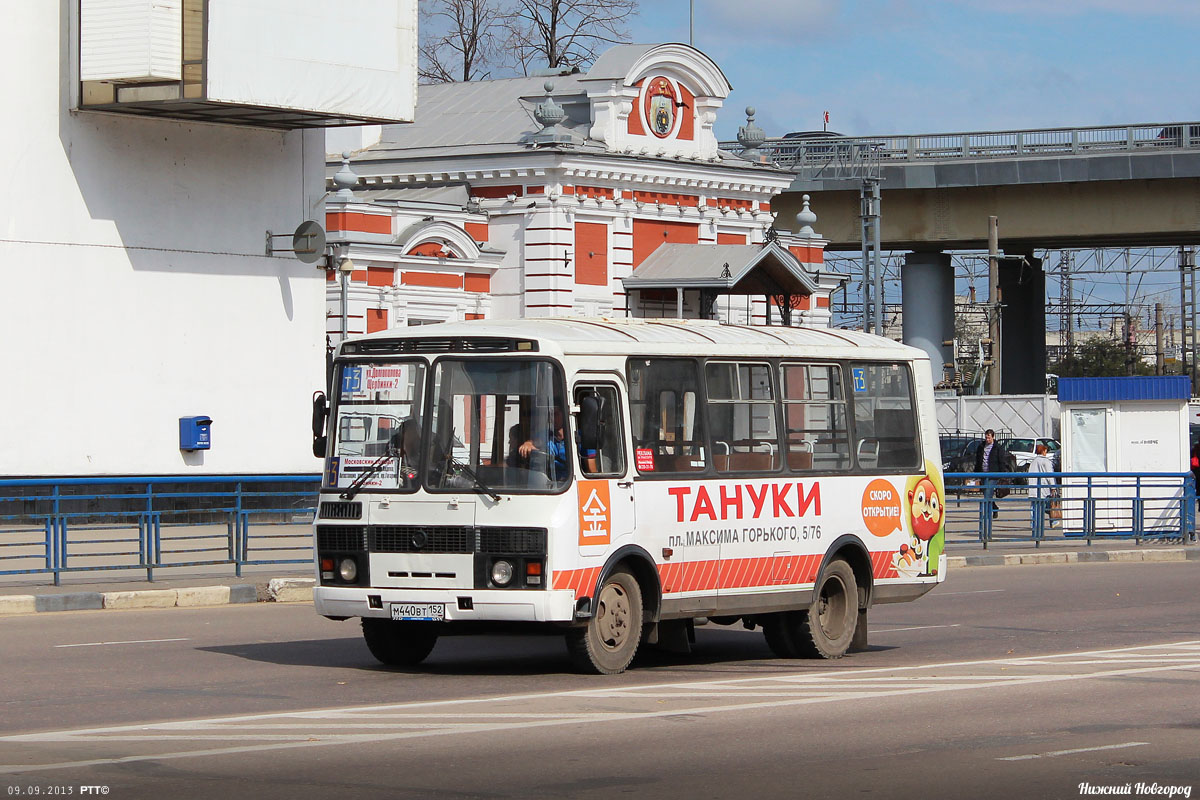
1105,186
1118,186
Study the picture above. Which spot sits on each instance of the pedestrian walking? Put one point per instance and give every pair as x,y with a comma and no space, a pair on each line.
992,457
1041,490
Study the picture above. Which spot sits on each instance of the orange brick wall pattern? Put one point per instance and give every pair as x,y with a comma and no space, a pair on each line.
635,116
358,222
381,276
477,283
591,253
731,238
477,230
496,192
377,319
808,255
438,280
687,115
649,234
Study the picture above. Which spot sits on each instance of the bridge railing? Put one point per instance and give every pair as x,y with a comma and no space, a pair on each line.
820,153
58,526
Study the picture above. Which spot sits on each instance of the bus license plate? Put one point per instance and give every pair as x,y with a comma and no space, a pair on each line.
428,612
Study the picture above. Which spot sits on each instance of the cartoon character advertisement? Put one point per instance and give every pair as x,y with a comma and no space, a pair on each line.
919,511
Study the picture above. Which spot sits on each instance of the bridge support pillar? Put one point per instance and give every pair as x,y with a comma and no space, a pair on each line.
1022,325
927,292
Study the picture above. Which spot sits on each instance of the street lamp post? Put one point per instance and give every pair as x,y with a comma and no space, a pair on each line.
345,267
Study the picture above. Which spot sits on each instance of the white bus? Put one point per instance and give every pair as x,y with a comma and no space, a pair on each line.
620,481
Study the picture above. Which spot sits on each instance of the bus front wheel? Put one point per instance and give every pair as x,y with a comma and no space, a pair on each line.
398,644
608,642
826,628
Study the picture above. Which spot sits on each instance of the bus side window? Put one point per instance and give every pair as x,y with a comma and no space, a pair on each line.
741,417
601,440
668,428
885,421
814,415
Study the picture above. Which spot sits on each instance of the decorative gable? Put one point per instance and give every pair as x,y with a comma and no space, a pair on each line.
660,100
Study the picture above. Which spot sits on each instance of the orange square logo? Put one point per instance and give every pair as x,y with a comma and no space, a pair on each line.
595,513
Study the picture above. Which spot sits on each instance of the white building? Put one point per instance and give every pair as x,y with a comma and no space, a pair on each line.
547,196
148,149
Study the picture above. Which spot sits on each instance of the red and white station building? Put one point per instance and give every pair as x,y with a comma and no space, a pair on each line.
551,196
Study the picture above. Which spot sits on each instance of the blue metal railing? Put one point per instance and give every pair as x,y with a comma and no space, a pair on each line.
1008,507
55,526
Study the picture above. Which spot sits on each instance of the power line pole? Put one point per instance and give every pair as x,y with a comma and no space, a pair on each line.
872,274
1128,321
1159,356
1067,298
994,303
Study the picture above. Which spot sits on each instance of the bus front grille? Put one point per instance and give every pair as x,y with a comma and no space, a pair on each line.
421,539
338,510
513,541
456,539
333,539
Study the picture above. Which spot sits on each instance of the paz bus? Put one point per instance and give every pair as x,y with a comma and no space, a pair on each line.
621,481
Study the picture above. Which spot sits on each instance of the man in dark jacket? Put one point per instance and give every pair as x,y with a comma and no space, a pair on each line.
992,457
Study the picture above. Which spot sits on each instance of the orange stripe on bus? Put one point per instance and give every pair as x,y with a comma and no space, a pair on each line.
730,573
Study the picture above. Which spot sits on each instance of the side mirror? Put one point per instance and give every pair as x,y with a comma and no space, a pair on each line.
589,421
319,416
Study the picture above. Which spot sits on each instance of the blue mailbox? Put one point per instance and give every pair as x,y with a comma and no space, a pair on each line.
195,433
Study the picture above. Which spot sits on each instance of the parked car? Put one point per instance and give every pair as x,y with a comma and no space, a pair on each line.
958,455
1022,451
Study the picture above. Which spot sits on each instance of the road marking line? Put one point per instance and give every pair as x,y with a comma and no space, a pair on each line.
976,591
314,741
915,628
131,641
1056,753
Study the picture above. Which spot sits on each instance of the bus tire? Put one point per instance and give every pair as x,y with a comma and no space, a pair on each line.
830,622
399,644
826,628
609,641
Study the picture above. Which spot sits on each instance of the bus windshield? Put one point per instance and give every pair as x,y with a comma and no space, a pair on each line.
498,425
377,429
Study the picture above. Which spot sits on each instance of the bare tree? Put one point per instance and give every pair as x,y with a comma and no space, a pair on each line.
564,33
459,39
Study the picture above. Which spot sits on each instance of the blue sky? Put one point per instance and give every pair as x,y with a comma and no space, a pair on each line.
942,66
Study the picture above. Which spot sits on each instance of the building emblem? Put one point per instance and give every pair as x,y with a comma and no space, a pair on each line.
661,103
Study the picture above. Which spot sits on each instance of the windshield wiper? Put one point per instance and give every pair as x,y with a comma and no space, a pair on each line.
480,485
369,473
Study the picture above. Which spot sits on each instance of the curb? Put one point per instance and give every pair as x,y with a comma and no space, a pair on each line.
278,590
1087,556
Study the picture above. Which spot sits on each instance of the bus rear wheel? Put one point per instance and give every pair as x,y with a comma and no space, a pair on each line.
609,641
399,644
826,628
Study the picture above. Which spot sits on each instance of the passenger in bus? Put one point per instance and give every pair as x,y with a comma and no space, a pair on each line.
553,444
516,436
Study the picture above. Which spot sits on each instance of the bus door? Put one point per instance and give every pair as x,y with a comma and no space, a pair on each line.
606,507
678,521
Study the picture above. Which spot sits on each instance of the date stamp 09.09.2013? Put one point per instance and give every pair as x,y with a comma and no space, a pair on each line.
56,790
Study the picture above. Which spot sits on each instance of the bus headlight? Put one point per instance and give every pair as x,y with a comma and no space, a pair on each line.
348,570
502,573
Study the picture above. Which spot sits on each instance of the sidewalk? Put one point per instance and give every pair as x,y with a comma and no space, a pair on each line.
123,590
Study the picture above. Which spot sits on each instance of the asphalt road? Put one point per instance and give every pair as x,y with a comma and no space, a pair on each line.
1007,681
